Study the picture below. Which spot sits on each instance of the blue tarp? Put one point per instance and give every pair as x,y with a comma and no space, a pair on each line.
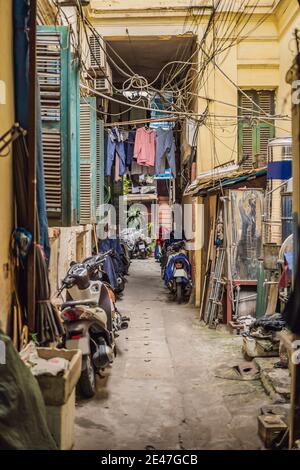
280,170
289,259
113,265
109,268
21,60
21,80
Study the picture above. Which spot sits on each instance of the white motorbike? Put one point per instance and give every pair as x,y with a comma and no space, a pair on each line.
90,323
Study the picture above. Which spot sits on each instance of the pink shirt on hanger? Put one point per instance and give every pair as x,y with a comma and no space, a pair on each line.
144,147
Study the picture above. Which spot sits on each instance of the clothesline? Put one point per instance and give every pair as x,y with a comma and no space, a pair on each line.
140,148
141,121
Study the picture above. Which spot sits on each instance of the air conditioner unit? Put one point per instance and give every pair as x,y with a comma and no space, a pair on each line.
104,83
97,54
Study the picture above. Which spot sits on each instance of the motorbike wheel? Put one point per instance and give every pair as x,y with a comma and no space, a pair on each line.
121,284
143,255
87,381
179,293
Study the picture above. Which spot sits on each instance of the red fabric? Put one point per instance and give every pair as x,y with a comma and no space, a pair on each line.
284,278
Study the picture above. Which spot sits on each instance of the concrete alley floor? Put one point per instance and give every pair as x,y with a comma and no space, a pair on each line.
161,392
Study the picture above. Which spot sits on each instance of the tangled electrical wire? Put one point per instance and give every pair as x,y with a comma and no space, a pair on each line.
228,24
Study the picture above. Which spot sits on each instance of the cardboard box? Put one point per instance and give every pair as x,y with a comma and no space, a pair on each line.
60,421
56,390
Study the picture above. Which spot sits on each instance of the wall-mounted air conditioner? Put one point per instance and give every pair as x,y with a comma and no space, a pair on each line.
104,83
97,54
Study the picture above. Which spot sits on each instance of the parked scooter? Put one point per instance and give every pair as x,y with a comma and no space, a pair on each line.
109,270
117,262
141,248
176,271
89,320
96,268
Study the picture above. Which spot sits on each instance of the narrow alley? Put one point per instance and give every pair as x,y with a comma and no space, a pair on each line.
161,392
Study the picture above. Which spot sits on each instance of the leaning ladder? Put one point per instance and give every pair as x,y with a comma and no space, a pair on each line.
216,290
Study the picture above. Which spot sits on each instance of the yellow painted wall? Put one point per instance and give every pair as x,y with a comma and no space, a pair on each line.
6,121
259,62
253,63
288,19
133,5
140,4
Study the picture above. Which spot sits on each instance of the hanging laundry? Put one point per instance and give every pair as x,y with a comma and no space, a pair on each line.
117,168
144,147
115,147
129,147
165,150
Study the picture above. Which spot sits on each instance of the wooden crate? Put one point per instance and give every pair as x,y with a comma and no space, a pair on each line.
60,421
254,347
269,428
56,390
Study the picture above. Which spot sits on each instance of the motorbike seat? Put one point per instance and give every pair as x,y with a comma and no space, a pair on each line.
75,303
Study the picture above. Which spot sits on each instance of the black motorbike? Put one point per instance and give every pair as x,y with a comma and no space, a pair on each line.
141,249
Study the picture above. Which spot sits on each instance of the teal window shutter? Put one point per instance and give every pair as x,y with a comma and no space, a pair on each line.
74,140
254,131
88,160
100,165
53,66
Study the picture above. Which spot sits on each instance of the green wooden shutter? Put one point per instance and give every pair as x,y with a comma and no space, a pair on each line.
246,145
53,68
254,133
245,132
88,160
100,164
264,130
74,138
264,133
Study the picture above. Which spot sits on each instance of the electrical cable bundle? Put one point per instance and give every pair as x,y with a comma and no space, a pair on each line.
232,15
228,24
48,326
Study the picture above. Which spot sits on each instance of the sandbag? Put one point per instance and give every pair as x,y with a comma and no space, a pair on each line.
23,424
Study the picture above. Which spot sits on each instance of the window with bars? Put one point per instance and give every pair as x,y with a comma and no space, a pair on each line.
254,127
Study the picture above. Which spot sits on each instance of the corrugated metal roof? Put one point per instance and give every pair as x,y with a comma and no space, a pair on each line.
214,182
